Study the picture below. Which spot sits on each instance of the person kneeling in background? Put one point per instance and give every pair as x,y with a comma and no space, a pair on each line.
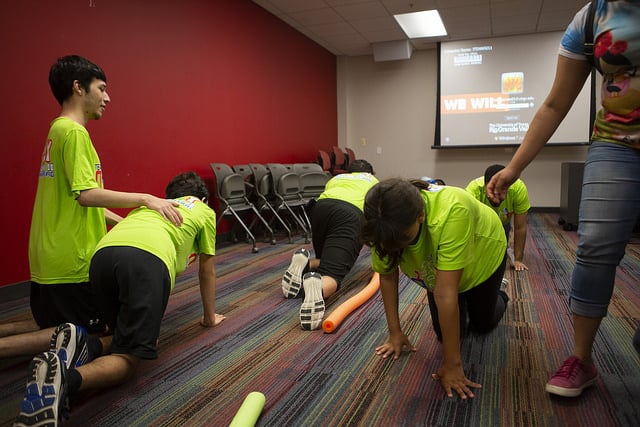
336,219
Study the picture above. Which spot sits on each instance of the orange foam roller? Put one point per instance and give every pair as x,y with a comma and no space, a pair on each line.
346,308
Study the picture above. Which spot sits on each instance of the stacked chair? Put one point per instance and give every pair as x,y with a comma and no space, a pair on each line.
312,180
285,185
231,192
258,200
324,160
259,180
338,161
351,155
277,195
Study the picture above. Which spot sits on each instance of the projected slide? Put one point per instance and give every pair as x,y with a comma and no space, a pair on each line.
490,90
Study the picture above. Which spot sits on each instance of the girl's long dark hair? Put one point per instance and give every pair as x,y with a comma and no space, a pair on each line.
390,208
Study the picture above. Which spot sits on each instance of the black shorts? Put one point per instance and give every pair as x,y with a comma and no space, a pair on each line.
335,227
481,305
133,286
52,305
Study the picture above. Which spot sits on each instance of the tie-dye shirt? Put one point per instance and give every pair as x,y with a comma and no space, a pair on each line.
617,57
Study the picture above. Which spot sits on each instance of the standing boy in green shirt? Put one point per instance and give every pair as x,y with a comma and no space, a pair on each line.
69,215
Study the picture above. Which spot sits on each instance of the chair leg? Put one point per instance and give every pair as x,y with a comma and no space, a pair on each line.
308,222
280,220
298,220
250,235
265,223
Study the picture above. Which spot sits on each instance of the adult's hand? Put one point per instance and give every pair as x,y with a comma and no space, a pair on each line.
497,187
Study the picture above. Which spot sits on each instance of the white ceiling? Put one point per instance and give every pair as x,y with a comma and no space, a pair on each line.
349,27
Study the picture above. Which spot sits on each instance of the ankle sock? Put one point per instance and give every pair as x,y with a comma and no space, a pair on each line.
94,345
504,296
73,380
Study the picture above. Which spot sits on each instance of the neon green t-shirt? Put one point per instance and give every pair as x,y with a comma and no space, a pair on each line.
516,201
349,187
177,247
64,234
458,233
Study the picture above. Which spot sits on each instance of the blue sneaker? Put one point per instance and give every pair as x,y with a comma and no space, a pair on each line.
69,341
46,392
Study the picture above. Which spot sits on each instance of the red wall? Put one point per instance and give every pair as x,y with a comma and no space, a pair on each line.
190,81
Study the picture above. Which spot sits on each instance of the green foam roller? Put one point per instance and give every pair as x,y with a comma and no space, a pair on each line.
249,411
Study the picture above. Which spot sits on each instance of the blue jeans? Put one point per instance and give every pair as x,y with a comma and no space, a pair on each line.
609,209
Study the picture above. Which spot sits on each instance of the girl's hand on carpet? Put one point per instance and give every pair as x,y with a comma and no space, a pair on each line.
394,346
520,266
208,323
453,379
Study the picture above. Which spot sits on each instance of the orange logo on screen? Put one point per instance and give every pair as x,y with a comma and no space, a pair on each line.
513,82
474,103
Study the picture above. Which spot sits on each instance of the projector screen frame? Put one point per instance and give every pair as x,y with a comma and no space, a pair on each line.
437,143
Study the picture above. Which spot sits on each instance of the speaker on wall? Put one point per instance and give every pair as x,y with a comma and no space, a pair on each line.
392,51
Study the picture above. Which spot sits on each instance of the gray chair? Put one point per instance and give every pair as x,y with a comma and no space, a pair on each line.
231,193
312,180
264,197
285,185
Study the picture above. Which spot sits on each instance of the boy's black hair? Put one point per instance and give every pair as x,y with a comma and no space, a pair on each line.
187,184
70,68
491,171
360,165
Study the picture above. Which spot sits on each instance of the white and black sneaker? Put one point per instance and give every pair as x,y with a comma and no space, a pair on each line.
69,342
46,392
312,308
292,279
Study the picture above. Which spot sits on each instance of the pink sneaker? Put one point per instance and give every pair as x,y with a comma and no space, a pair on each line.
572,377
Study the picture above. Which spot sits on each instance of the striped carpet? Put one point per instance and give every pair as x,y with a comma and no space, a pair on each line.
315,379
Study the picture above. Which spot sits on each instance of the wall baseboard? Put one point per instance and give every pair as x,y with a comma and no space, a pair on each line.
14,291
545,209
19,290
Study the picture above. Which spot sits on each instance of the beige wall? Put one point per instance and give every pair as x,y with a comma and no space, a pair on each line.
387,114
